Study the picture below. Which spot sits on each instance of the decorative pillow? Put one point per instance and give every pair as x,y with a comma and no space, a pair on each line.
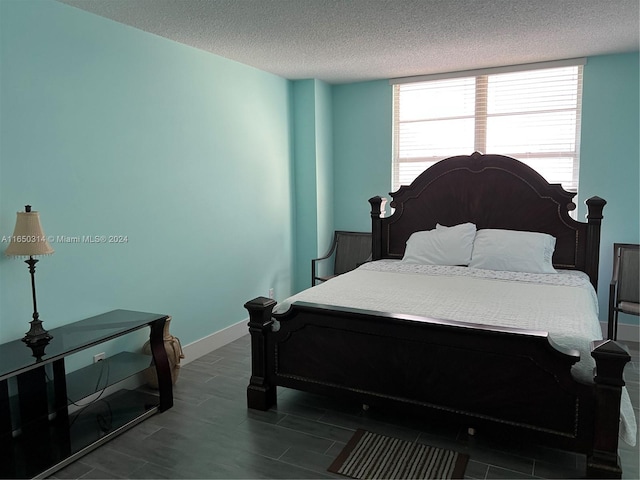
441,246
513,251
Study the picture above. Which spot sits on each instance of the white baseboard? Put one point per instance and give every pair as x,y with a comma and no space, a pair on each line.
192,351
233,332
131,383
214,341
626,332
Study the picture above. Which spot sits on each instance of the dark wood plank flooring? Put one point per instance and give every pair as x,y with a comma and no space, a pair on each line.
210,433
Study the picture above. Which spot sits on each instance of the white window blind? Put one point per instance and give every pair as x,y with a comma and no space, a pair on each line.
531,115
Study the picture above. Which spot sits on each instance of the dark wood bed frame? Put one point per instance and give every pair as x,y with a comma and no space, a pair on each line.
506,379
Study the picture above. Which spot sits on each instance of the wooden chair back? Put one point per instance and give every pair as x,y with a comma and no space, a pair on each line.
352,249
629,273
624,289
348,249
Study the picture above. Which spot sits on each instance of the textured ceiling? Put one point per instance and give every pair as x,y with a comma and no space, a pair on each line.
342,41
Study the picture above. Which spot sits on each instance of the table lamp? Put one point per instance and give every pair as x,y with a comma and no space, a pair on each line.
29,240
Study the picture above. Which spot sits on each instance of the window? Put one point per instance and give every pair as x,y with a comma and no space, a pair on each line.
532,115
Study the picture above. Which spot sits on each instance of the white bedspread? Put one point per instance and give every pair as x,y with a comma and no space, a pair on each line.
563,304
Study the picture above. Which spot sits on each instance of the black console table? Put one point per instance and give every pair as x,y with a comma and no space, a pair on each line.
39,432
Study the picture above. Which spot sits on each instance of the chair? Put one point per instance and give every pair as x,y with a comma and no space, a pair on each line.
349,249
624,290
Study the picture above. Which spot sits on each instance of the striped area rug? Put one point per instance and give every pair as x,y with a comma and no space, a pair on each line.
369,455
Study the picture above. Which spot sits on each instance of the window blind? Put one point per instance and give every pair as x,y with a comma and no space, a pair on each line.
531,115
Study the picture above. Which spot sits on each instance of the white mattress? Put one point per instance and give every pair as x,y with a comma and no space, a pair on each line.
563,304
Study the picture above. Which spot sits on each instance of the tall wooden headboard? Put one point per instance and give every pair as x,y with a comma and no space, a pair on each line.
492,191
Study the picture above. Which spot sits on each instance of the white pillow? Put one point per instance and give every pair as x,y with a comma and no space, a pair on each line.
513,251
441,246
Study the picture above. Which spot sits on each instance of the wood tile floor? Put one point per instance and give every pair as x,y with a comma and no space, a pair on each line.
209,433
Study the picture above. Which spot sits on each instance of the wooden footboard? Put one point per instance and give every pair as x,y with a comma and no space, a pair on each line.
506,378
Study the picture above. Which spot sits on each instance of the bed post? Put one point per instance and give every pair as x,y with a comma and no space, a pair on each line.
377,204
261,392
595,205
611,357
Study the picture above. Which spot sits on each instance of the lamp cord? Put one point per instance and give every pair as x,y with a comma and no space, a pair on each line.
97,387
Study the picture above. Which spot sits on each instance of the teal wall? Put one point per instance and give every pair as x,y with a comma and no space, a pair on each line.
313,172
305,184
108,130
225,179
362,149
609,152
610,155
324,167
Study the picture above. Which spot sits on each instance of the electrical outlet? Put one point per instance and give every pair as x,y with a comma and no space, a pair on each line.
271,293
98,357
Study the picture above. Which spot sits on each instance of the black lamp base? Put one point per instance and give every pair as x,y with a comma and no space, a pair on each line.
36,334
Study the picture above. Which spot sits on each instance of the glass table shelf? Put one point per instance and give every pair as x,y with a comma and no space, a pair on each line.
43,426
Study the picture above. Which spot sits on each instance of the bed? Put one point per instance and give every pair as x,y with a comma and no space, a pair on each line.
405,331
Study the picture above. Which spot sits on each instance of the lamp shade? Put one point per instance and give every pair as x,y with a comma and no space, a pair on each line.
28,237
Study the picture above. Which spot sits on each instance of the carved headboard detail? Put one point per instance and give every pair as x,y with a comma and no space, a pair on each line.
492,191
